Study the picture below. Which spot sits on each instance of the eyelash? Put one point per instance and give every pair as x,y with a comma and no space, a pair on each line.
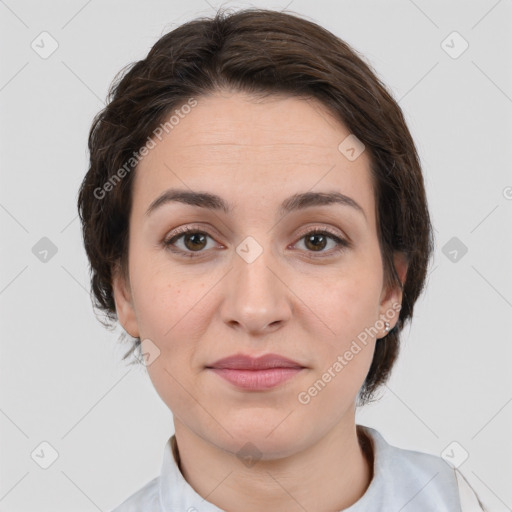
181,232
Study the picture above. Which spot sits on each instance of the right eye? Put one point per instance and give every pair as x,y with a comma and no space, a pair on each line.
193,241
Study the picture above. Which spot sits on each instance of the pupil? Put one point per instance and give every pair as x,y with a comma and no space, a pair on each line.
195,243
321,245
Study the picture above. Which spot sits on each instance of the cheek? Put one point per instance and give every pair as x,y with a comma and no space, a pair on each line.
175,384
163,300
170,315
344,354
333,390
348,305
351,311
347,301
356,302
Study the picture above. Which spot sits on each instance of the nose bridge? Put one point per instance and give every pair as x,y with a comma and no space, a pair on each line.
257,298
252,261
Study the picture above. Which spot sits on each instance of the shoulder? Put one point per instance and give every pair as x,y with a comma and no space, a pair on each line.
146,497
415,480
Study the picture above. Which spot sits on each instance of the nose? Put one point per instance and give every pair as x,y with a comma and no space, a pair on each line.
257,299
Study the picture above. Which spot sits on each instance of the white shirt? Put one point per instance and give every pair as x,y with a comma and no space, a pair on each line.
403,480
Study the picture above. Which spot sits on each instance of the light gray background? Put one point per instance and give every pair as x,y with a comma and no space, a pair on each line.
62,378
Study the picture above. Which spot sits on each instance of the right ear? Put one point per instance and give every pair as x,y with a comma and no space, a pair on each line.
124,303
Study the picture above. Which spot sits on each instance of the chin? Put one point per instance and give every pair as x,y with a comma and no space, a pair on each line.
268,436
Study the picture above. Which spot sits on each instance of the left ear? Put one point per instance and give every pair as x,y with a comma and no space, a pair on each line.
392,295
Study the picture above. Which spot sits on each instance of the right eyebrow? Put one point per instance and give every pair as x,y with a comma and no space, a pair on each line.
200,199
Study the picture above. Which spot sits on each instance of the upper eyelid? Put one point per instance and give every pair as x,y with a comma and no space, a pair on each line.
184,230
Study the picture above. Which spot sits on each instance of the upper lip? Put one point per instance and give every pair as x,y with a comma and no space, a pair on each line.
246,362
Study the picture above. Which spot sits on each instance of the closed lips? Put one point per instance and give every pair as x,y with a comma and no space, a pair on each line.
245,362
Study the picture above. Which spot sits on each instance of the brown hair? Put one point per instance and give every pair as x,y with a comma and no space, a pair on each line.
260,52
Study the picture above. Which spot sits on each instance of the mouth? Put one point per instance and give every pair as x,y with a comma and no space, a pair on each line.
256,373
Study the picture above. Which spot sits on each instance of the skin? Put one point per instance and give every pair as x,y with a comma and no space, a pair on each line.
303,304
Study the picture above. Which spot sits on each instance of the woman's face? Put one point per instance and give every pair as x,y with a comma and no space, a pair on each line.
252,279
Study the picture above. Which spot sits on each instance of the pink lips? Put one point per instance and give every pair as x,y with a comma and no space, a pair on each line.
258,373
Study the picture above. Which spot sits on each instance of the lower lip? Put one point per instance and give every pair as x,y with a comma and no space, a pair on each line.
256,380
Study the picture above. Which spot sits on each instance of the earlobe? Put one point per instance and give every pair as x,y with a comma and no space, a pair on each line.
124,304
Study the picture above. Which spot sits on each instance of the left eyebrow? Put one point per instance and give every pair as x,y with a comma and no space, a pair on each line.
308,199
215,202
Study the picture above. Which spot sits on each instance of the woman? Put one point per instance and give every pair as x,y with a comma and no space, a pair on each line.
255,218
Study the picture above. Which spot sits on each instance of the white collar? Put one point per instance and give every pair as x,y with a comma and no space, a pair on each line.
406,479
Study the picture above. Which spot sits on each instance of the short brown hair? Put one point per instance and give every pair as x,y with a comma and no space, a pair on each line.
257,51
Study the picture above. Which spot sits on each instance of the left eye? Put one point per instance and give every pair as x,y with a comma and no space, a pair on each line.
194,241
317,240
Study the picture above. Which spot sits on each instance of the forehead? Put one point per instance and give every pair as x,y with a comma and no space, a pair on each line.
241,122
233,142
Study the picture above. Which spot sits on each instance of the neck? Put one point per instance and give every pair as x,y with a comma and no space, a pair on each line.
330,475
